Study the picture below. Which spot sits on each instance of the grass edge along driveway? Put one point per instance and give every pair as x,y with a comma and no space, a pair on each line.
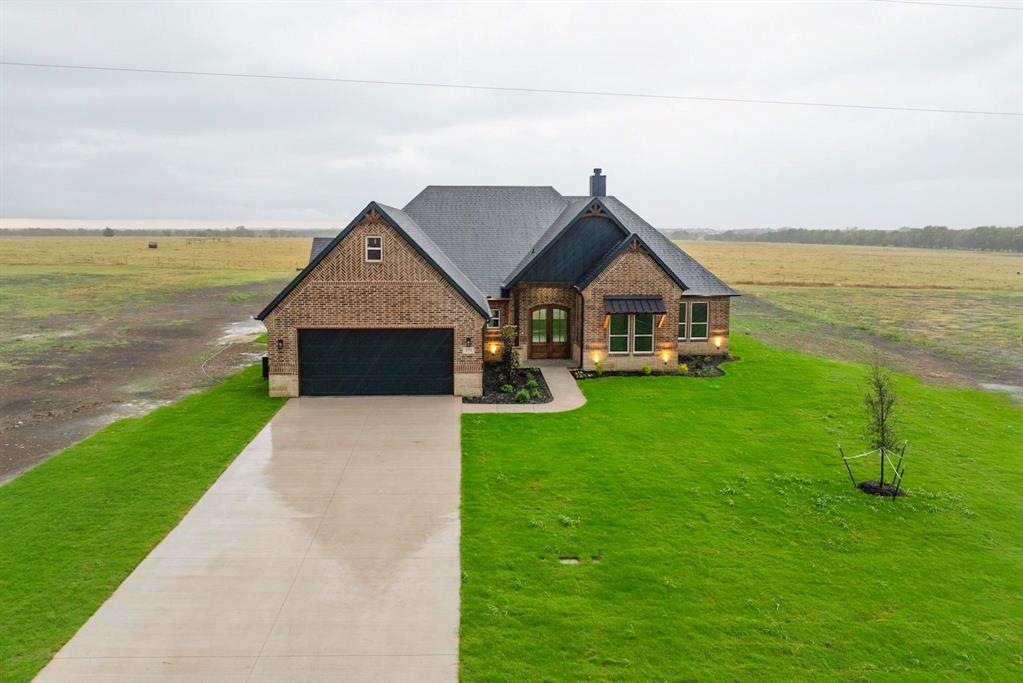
719,538
75,526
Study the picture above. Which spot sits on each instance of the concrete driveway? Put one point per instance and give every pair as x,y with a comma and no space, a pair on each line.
328,551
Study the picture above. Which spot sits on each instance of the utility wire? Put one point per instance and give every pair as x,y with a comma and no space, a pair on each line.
496,88
950,4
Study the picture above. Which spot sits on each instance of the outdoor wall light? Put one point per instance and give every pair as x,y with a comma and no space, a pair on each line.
280,344
493,349
665,355
596,356
717,342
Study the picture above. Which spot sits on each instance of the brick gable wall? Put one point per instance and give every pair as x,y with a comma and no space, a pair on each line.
636,273
402,291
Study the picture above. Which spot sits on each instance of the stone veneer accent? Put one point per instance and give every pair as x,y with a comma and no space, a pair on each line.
345,292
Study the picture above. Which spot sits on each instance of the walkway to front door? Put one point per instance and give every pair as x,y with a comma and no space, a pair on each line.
548,332
328,551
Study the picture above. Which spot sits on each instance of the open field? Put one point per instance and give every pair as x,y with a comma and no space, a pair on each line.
77,525
822,265
719,538
952,317
97,328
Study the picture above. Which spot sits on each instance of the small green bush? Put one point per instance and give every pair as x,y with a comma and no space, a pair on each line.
536,393
647,369
683,369
507,388
531,383
522,396
529,377
599,369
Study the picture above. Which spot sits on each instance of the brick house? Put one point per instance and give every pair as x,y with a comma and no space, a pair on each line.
412,301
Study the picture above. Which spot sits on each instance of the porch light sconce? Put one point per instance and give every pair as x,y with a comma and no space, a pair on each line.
280,344
665,355
717,343
493,349
596,356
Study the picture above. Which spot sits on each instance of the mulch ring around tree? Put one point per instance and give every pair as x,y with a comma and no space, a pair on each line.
875,488
493,381
696,366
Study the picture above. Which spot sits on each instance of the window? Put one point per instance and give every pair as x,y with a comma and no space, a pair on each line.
643,333
698,327
374,249
682,309
618,333
559,326
538,329
495,319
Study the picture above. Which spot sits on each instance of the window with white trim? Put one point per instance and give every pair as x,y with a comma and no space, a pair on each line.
683,309
374,249
699,325
618,333
643,333
495,318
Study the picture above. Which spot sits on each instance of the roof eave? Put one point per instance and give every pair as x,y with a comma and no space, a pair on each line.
485,312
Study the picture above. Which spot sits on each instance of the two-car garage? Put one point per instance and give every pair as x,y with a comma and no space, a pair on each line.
347,362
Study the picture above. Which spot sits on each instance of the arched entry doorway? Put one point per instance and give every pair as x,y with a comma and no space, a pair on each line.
548,332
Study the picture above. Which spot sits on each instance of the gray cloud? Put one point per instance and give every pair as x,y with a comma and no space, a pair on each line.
140,148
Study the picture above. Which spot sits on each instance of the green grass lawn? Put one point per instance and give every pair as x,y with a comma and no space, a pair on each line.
75,526
731,544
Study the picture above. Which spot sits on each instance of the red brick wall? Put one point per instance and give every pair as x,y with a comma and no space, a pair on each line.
344,291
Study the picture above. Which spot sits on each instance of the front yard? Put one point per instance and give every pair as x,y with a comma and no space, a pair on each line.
75,526
718,536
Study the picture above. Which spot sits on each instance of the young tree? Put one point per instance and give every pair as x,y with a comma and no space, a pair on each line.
509,359
880,399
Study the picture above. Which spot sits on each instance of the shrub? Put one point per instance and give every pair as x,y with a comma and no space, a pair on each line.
529,377
507,388
522,396
683,369
647,369
599,369
536,393
531,383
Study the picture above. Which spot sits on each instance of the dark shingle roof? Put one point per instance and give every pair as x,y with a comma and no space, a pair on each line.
319,244
493,232
699,281
438,257
486,230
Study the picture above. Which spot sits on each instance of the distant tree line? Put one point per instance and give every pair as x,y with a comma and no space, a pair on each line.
240,231
984,238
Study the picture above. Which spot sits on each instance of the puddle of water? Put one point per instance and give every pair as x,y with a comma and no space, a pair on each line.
1011,389
244,330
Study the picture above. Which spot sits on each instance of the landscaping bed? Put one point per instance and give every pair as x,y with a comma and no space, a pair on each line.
696,366
496,386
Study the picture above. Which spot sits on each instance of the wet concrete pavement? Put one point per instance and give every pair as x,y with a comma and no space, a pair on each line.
327,551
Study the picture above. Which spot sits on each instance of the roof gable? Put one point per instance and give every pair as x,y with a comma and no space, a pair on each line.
618,249
566,233
415,237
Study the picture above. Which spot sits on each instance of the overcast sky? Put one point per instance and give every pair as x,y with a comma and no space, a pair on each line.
93,148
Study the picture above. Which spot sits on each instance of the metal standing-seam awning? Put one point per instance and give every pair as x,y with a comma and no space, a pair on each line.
634,304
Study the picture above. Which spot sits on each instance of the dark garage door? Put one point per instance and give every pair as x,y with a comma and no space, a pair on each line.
361,362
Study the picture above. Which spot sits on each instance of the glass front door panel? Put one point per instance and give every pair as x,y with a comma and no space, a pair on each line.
539,326
559,326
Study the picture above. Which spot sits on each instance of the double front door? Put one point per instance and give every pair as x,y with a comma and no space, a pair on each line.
548,332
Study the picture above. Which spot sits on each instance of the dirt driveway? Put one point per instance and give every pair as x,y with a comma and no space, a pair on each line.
328,551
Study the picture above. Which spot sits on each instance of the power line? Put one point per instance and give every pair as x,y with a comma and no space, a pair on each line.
497,88
950,4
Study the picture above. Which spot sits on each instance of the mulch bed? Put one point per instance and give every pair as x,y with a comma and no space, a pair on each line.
492,384
699,366
875,488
